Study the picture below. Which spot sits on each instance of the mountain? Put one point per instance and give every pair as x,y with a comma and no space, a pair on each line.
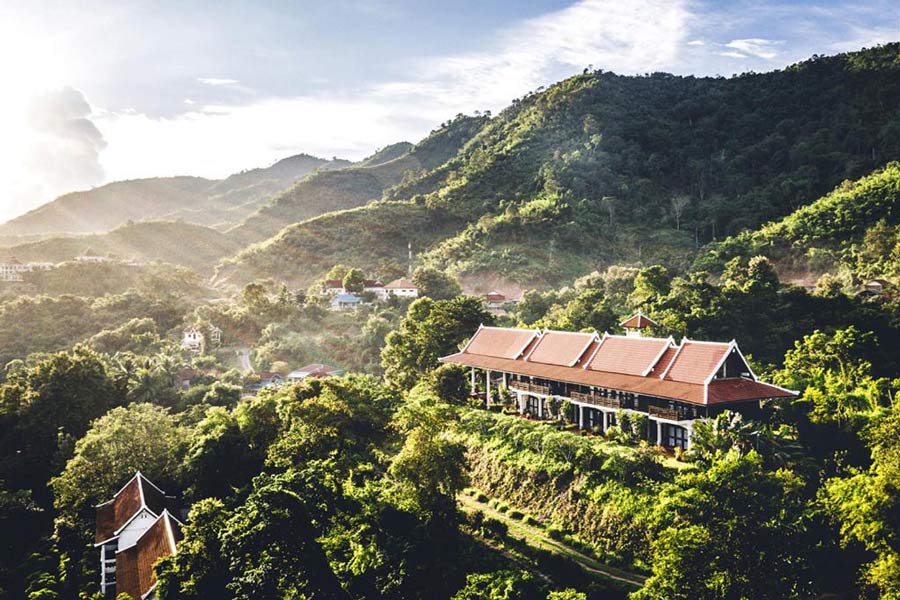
328,191
193,199
178,243
602,169
856,226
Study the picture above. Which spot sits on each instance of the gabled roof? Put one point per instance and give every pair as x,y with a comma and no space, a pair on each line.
638,321
697,362
372,283
400,284
628,355
314,370
136,495
561,347
333,284
134,565
501,342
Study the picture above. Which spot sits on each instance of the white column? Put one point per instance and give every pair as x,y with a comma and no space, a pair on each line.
505,384
520,403
580,416
659,433
605,424
487,387
473,381
690,433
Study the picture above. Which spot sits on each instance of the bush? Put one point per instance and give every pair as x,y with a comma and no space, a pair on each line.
529,520
493,528
493,503
516,514
480,497
556,533
503,507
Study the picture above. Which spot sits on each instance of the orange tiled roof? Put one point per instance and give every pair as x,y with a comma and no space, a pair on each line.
134,565
400,284
638,321
560,348
628,355
138,493
500,342
696,362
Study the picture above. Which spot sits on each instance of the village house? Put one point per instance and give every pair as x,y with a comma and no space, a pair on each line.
876,288
12,270
672,384
345,301
263,379
192,339
134,530
89,256
313,370
402,288
494,299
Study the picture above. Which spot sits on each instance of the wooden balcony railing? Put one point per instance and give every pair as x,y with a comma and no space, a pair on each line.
596,400
664,413
529,387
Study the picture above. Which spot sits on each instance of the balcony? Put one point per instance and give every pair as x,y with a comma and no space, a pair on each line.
530,388
596,400
671,414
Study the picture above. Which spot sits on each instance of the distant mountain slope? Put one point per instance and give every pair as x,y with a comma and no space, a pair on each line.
602,168
832,230
327,191
193,199
185,244
386,154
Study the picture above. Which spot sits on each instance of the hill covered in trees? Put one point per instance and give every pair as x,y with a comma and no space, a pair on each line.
602,168
347,188
850,231
176,242
193,199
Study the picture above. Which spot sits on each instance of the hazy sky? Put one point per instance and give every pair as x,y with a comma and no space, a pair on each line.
99,90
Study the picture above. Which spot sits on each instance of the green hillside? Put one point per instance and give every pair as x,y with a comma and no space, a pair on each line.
328,191
602,168
193,199
178,243
854,226
386,154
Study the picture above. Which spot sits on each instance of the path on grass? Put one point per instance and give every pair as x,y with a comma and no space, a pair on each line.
537,537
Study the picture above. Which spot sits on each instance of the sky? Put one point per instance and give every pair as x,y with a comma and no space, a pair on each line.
103,90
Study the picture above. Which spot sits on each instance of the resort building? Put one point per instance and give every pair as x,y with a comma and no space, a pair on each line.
672,384
192,339
134,530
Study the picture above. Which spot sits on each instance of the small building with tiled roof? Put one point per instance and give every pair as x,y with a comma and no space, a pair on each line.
122,523
314,370
672,384
402,288
636,324
135,575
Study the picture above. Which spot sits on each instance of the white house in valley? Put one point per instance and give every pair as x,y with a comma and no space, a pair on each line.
402,288
192,339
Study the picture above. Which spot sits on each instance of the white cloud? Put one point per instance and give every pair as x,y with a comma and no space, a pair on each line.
731,54
53,146
627,36
216,81
696,43
759,47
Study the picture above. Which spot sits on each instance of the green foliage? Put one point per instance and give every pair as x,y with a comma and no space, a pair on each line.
435,284
733,531
501,585
866,505
450,383
138,437
431,329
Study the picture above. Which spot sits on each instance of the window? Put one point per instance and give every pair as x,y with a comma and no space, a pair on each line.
675,436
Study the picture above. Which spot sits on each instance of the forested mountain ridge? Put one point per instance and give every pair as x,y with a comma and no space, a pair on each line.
175,242
194,199
854,228
602,168
328,191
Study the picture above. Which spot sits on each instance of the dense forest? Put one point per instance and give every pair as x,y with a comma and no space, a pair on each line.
755,208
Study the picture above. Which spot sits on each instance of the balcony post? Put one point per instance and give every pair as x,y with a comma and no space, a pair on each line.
487,387
659,439
473,381
580,416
